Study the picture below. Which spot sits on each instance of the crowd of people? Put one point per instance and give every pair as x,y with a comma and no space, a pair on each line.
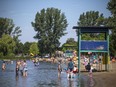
71,69
21,66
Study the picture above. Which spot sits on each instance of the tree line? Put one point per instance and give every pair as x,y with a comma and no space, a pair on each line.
50,25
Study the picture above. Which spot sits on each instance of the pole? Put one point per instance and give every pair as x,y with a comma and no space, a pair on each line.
79,48
108,55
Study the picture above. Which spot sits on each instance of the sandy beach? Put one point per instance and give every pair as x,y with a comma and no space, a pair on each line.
106,78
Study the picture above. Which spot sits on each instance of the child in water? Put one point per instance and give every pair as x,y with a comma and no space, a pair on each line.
75,70
25,68
59,69
3,65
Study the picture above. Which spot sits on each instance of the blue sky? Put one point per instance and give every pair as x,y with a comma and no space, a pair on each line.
23,13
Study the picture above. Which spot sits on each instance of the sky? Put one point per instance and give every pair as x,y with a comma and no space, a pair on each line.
23,13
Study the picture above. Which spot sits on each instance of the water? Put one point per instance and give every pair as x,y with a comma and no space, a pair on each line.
43,76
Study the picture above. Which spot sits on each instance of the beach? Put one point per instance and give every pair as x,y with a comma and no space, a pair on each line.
104,79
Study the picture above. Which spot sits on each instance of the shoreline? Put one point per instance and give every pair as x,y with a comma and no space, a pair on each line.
103,79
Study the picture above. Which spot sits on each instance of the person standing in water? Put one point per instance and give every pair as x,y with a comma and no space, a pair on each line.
25,68
3,65
75,70
59,68
17,68
70,68
21,67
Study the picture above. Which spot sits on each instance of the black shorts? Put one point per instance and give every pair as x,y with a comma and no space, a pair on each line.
71,69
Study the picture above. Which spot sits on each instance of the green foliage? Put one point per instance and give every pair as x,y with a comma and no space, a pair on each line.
26,47
112,7
11,55
50,25
92,18
1,54
70,44
19,48
7,44
6,26
16,33
34,48
112,22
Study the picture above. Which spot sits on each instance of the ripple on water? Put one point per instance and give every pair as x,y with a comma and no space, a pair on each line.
43,76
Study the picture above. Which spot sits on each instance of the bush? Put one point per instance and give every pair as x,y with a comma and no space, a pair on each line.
1,54
11,55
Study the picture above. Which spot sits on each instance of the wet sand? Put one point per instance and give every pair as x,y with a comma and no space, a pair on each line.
104,79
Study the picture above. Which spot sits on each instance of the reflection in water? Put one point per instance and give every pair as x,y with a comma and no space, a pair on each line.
73,83
17,78
70,83
43,76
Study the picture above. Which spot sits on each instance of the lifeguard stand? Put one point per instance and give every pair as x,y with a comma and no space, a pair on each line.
95,45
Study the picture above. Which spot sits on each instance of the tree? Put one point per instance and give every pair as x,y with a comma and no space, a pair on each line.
70,40
112,22
50,25
34,48
19,48
26,47
6,26
92,18
7,44
16,34
70,44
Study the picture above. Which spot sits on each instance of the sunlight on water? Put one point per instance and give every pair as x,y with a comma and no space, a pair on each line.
43,76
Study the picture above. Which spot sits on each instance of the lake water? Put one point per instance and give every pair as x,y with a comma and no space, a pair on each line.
43,76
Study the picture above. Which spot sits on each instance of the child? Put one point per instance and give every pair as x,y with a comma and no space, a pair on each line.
3,65
25,68
75,70
59,69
